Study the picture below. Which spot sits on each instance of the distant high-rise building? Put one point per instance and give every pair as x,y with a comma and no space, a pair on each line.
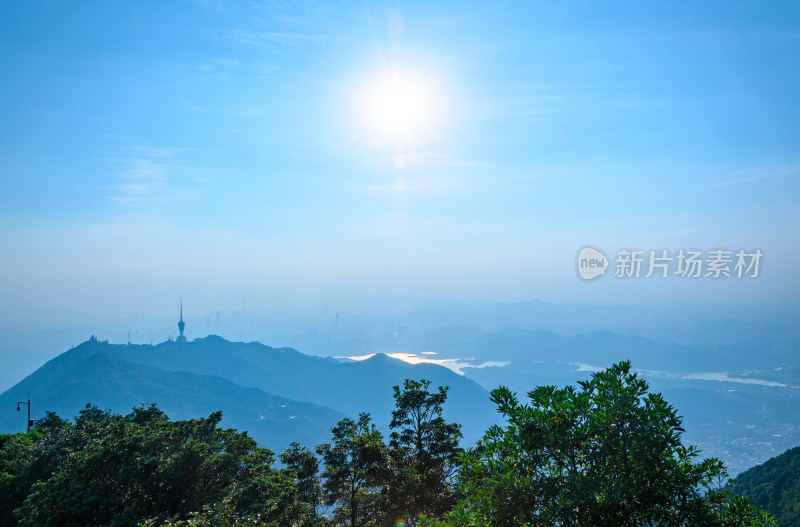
181,325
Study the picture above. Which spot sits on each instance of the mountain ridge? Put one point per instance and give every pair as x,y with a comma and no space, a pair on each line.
68,382
212,373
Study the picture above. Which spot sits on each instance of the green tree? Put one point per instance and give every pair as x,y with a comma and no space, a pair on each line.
112,469
16,455
305,466
355,462
219,515
424,454
606,453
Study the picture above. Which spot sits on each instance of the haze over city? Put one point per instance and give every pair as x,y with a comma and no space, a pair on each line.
298,155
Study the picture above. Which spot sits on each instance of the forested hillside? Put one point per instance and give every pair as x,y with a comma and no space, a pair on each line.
774,486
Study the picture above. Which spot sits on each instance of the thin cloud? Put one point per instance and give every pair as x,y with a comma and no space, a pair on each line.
794,171
273,39
442,160
422,186
154,151
151,177
220,64
231,109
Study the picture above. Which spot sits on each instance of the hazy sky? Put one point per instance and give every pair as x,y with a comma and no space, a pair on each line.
322,152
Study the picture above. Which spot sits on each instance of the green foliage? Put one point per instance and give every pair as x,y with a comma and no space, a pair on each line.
107,468
16,453
606,453
305,467
220,515
774,486
355,462
423,452
727,511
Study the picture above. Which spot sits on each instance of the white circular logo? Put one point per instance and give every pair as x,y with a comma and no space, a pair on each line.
591,263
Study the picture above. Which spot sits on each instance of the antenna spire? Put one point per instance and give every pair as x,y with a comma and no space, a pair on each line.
181,324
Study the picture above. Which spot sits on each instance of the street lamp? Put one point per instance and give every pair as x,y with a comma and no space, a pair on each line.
28,404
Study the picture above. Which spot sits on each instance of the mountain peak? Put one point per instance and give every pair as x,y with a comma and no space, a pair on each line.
121,376
212,339
380,358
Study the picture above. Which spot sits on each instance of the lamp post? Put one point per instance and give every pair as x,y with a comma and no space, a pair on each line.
28,404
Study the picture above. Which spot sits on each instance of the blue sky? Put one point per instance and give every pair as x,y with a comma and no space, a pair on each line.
222,150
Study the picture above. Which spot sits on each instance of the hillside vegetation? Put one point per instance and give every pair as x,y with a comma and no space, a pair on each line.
607,452
774,486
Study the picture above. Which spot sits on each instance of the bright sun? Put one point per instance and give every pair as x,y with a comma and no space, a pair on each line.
399,105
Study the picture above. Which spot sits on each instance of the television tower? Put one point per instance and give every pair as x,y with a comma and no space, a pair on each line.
181,325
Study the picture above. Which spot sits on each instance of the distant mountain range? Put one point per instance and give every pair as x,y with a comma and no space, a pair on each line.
737,389
277,395
604,348
281,395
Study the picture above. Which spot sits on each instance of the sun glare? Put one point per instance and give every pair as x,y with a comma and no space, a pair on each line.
399,104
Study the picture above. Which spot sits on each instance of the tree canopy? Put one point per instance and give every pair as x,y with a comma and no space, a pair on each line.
606,452
106,468
424,451
354,464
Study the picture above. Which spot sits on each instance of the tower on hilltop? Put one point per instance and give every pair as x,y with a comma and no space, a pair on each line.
181,325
